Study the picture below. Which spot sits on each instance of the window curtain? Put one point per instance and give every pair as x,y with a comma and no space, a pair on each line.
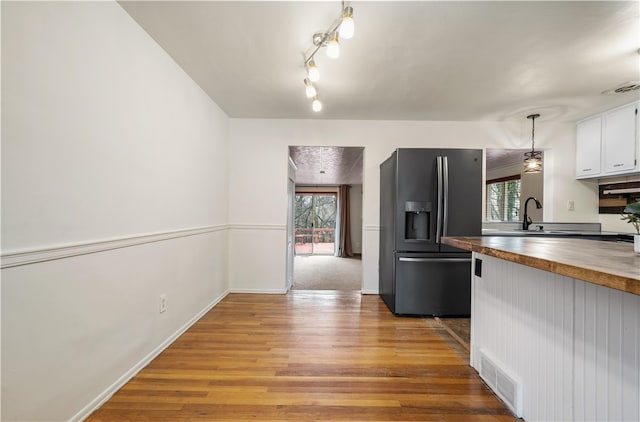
344,246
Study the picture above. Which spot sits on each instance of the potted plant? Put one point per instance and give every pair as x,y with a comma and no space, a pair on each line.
632,213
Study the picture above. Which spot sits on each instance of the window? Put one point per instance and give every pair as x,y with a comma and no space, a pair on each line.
503,199
315,223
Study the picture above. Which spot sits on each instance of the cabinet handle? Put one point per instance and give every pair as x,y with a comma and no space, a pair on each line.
586,169
618,165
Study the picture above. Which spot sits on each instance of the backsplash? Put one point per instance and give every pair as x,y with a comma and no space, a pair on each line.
613,197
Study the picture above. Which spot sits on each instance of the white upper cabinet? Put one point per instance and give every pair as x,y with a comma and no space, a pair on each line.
619,140
608,144
589,134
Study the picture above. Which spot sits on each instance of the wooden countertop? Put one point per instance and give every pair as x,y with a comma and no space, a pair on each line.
609,264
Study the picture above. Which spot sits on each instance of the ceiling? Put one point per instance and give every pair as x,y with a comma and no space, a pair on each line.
414,60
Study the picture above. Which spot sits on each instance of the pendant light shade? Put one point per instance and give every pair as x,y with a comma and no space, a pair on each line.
533,158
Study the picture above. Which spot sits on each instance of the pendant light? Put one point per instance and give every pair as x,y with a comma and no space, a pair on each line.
533,158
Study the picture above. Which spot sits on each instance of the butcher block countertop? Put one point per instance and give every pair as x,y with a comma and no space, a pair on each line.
605,263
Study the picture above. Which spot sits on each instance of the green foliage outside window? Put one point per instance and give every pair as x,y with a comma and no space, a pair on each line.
503,200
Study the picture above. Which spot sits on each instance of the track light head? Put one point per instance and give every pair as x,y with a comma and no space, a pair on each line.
313,72
316,105
346,26
333,47
309,88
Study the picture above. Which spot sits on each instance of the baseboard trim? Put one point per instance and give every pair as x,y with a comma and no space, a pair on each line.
370,292
126,377
33,256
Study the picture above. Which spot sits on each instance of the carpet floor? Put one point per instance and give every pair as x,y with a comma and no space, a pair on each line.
321,272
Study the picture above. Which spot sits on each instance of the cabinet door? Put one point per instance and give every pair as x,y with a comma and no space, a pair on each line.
588,137
619,140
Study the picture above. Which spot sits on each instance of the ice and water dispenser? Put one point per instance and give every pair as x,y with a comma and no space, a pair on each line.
417,215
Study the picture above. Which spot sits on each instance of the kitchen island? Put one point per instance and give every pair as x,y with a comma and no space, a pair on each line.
555,325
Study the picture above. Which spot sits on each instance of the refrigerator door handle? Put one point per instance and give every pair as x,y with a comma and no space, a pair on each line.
405,259
445,196
439,205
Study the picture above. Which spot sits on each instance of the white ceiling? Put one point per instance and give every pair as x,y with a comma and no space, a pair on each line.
416,60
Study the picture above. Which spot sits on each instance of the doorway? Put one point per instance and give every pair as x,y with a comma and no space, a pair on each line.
326,216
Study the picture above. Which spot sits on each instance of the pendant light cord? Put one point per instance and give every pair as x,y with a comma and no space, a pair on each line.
533,132
533,118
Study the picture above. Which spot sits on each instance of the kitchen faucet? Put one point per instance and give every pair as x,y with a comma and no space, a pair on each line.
526,220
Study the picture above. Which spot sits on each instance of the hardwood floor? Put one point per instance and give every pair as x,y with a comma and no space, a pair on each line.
307,356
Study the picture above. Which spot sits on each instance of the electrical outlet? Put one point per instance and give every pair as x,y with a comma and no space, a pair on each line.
163,303
571,205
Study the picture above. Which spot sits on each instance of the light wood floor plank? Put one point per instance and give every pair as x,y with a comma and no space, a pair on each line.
307,356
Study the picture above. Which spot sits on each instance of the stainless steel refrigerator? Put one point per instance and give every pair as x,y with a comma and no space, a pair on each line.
426,194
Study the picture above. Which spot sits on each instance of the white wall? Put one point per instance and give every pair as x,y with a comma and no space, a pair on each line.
103,137
613,223
258,161
560,184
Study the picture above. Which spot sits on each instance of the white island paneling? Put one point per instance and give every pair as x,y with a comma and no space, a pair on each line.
573,345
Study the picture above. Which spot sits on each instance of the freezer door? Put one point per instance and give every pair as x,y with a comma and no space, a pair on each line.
436,284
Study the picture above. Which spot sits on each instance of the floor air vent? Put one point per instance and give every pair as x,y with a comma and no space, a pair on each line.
503,384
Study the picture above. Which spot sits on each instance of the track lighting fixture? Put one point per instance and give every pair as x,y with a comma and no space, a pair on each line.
533,158
343,28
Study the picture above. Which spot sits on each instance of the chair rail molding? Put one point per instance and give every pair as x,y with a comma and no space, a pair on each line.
33,256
